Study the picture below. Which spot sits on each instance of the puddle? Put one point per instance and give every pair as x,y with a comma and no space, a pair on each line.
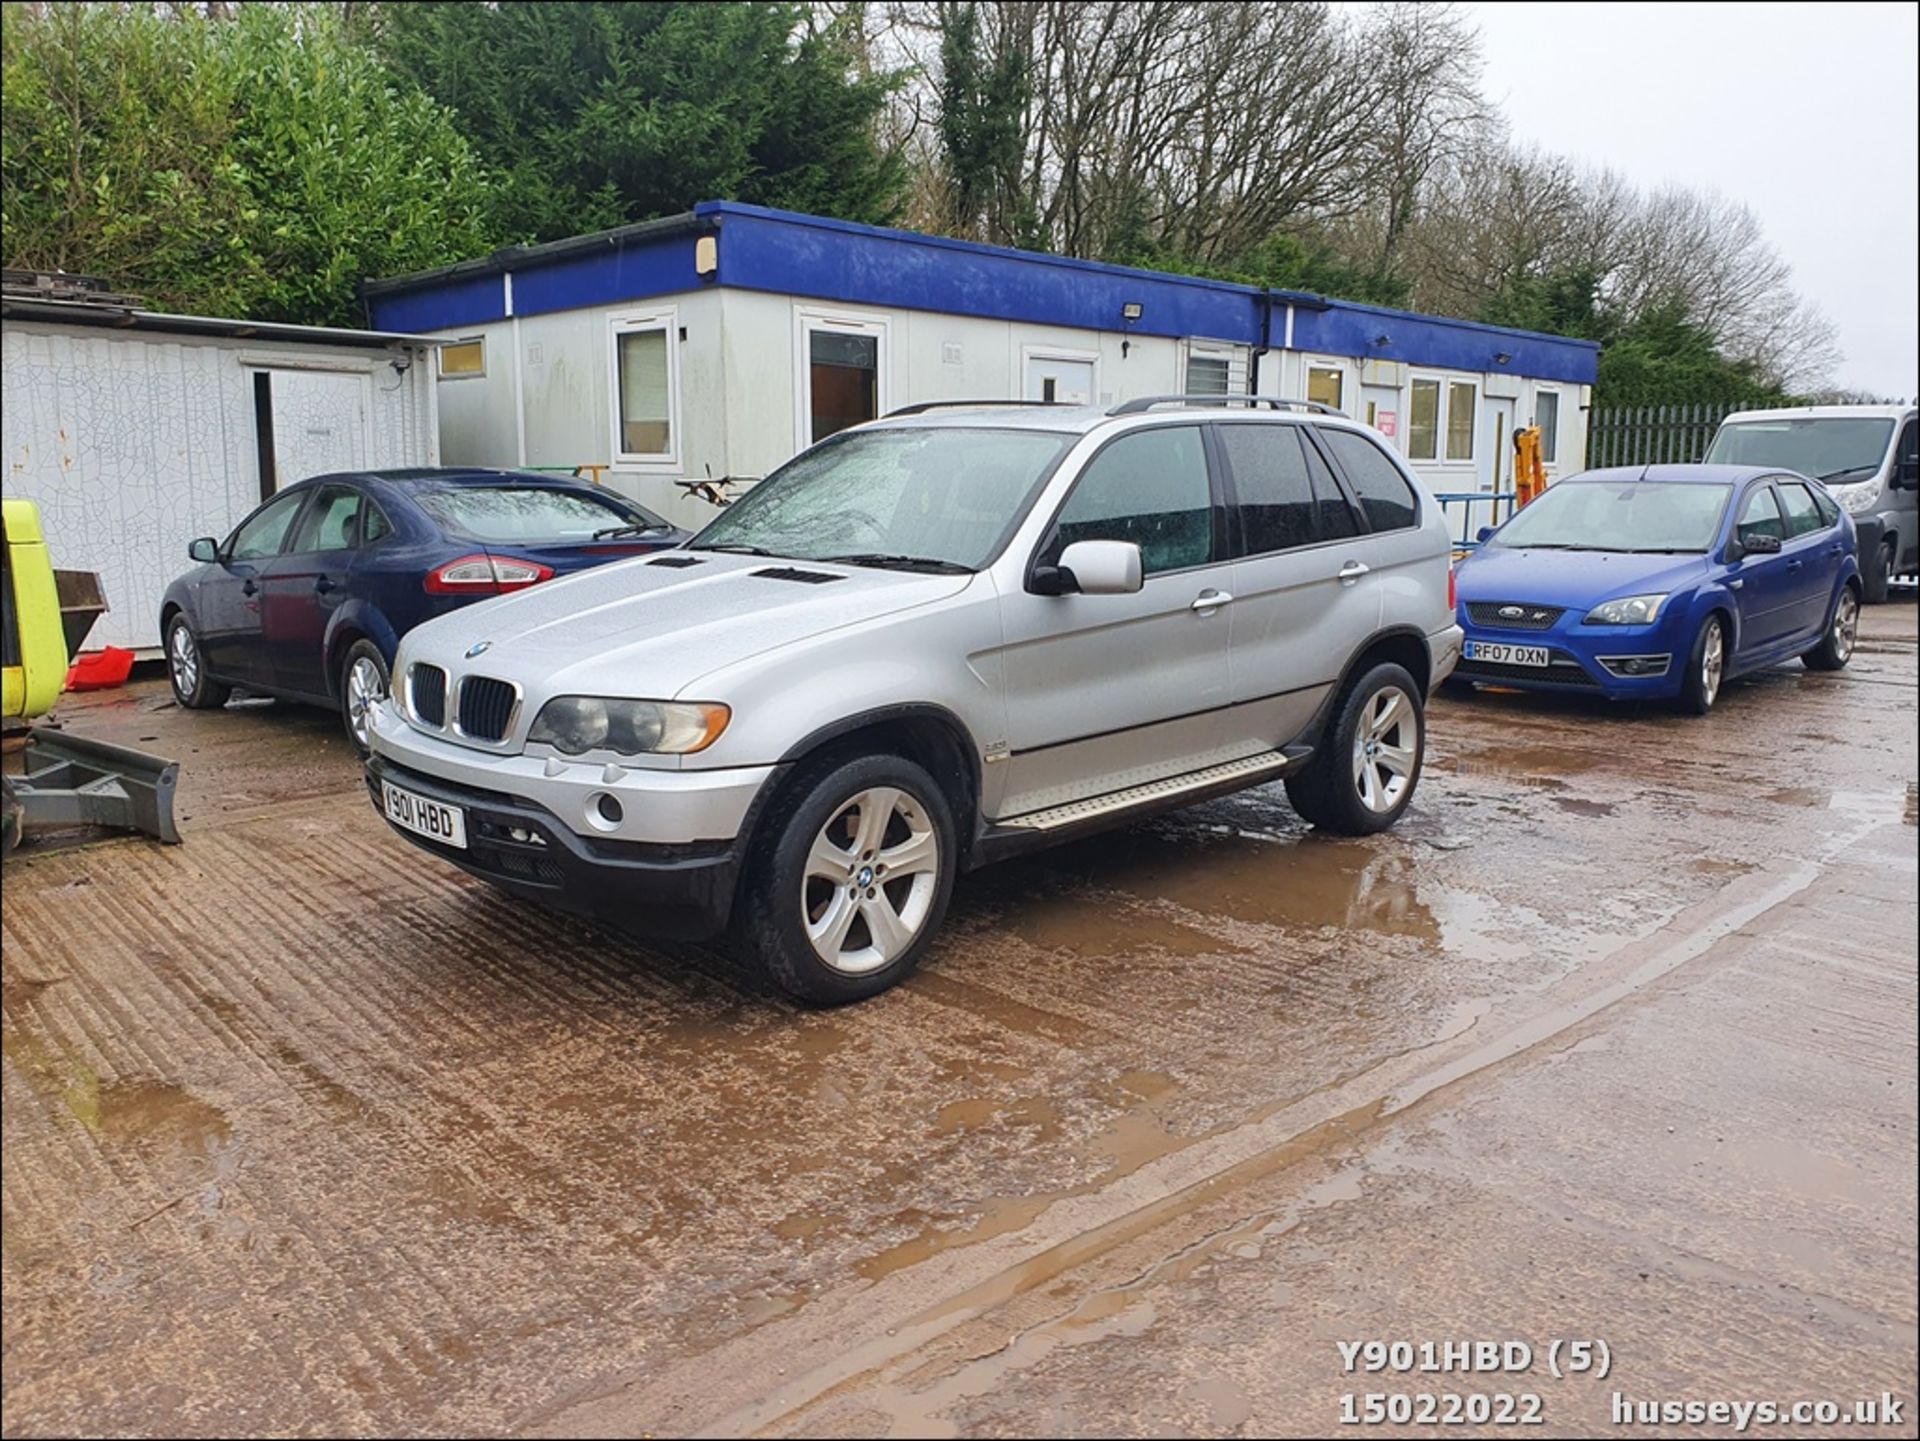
1798,796
1578,807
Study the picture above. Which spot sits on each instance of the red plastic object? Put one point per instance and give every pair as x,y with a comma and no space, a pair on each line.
100,669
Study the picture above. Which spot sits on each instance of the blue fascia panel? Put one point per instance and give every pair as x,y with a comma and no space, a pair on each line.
445,305
618,273
863,265
1346,329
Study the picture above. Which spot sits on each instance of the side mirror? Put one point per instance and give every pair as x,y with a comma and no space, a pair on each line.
1483,534
1101,567
204,550
1761,544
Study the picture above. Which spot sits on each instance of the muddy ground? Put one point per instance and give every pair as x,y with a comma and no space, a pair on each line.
1613,1039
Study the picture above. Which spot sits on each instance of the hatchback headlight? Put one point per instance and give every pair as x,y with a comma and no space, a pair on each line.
575,724
1628,610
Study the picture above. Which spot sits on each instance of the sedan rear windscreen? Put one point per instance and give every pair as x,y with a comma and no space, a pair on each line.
533,515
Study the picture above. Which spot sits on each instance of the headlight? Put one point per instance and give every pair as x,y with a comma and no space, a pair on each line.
1857,499
579,723
1629,610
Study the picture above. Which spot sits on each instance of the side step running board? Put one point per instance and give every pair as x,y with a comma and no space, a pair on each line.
1233,775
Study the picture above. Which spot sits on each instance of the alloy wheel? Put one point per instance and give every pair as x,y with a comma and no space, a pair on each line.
183,658
366,688
1846,625
870,880
1713,662
1386,748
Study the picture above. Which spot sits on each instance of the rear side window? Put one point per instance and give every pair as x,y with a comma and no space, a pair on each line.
1286,494
374,524
330,523
1803,515
1384,494
532,515
1760,516
1151,488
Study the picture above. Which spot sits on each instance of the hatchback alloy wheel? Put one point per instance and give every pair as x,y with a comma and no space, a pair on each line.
1713,663
1846,626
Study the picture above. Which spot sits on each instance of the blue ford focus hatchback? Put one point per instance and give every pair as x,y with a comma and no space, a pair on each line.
1661,582
309,596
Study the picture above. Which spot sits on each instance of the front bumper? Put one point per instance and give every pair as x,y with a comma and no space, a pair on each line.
667,867
679,892
1620,662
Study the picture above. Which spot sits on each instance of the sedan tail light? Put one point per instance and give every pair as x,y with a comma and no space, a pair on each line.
485,575
1453,591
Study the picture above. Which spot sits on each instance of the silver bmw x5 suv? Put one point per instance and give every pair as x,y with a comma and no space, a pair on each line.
924,645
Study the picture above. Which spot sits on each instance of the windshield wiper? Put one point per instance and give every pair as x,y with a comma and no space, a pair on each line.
899,562
733,548
1848,470
611,531
1665,550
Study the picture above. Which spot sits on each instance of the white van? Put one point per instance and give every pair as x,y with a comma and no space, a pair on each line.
1864,454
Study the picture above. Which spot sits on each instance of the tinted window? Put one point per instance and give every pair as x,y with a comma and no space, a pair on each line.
1760,516
1803,515
1384,493
374,524
1150,488
1283,503
532,515
329,523
260,536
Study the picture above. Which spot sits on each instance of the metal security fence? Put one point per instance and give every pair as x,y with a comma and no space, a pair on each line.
1654,434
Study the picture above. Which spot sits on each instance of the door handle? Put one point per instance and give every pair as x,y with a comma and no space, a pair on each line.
250,588
323,585
1795,564
1210,600
1352,571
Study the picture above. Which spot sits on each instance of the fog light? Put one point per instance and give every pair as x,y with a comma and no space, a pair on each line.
525,837
609,809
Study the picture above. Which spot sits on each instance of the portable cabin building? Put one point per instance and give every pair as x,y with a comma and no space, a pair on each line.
723,341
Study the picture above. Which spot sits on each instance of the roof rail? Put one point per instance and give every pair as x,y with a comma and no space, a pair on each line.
1142,403
923,406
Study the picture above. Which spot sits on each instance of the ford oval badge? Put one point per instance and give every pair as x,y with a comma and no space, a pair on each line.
479,647
1507,612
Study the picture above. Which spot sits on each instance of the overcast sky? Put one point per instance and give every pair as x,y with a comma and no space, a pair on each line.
1806,113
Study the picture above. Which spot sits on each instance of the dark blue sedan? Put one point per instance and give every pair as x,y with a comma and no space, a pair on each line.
309,596
1661,582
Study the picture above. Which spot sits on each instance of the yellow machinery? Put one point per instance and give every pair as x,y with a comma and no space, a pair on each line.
63,780
1529,471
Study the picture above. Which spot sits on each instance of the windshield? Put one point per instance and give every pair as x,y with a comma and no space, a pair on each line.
1629,515
1825,447
535,515
940,497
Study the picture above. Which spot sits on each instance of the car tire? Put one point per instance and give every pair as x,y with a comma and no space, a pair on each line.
1364,772
187,669
1837,642
819,912
362,683
1706,669
1876,569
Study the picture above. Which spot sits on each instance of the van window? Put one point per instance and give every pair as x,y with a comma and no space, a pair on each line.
1384,493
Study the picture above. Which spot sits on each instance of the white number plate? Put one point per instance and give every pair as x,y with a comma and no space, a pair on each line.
1496,653
432,819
